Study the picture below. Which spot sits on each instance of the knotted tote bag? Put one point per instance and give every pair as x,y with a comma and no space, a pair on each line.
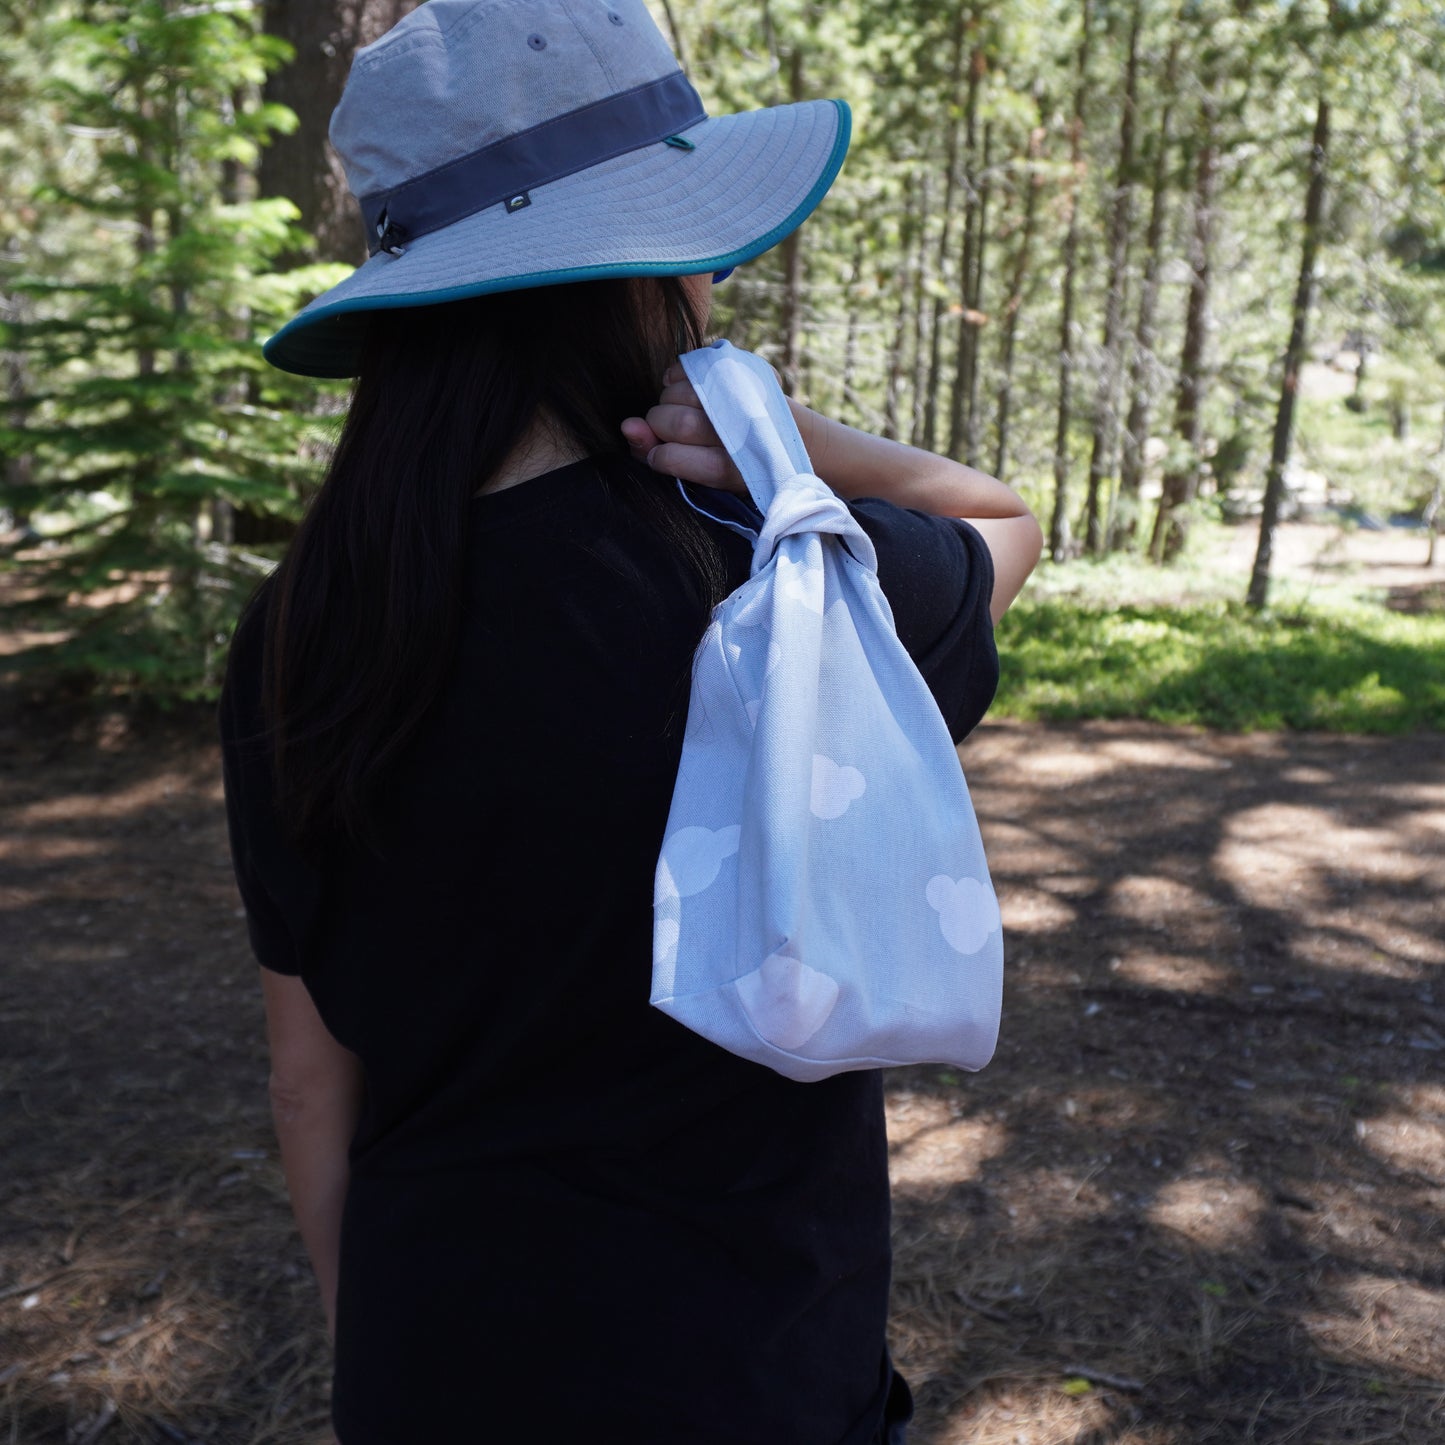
822,902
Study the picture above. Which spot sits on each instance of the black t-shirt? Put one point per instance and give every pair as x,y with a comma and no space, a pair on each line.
568,1216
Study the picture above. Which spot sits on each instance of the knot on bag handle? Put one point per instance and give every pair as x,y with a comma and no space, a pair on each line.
749,412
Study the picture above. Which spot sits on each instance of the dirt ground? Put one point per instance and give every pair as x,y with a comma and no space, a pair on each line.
1196,1198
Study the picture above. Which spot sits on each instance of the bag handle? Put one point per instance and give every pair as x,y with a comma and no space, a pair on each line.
749,412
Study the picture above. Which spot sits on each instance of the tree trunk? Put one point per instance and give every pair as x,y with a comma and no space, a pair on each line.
1014,304
1141,379
792,249
976,317
19,465
972,201
1181,477
895,345
1294,357
965,21
1059,521
676,34
1106,396
920,317
850,347
963,426
1431,516
145,222
302,166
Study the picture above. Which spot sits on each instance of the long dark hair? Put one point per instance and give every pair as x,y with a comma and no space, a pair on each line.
364,611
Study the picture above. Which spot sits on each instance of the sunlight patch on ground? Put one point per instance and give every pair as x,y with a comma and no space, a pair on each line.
1428,826
1034,910
1018,1411
1303,862
1426,1099
1026,849
1049,766
47,850
12,644
149,793
1282,848
1307,777
947,1153
1151,897
1049,1196
1176,972
1410,1143
1211,1209
1167,754
1342,944
1382,1321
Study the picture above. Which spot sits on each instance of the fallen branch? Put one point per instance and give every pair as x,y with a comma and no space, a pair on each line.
1109,1382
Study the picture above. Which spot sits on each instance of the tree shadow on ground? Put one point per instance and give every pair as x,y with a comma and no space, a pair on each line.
151,1285
1196,1198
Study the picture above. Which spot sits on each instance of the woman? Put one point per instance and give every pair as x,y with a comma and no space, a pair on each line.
537,1208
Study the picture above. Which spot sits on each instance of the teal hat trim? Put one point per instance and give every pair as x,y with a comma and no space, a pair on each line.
325,340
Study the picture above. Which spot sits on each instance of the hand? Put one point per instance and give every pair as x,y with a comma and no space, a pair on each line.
676,438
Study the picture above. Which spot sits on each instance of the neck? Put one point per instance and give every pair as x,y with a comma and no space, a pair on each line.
540,450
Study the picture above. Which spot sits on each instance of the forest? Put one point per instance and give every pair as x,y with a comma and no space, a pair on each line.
1175,269
1162,266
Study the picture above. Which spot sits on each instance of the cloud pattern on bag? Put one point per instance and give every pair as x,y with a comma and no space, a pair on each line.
835,786
967,911
822,902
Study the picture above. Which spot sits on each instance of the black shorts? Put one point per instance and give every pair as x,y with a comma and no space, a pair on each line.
897,1412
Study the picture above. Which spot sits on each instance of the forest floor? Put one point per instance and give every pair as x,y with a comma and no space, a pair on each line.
1197,1198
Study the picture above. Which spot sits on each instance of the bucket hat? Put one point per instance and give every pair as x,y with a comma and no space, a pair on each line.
495,145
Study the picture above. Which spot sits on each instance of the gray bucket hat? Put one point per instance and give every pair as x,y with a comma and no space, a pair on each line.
496,145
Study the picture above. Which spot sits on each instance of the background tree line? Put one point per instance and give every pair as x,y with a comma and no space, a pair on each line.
1088,245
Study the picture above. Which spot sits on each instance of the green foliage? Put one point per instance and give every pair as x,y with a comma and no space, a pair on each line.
1352,668
144,408
135,284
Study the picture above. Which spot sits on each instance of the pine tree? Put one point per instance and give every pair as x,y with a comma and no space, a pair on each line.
146,397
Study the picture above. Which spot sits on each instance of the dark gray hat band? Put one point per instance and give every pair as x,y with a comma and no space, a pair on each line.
505,172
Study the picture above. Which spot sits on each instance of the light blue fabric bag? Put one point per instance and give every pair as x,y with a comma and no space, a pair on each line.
822,902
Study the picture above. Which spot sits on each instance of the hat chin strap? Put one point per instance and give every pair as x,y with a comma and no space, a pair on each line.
505,172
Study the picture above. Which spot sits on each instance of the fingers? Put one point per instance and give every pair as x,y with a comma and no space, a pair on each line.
677,439
639,436
709,466
674,422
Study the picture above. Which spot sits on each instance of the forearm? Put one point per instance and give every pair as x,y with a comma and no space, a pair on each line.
858,464
316,1091
314,1129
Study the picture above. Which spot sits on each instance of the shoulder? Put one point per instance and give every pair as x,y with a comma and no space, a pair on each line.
931,568
239,711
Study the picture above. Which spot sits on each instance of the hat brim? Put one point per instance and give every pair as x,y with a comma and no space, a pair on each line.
749,180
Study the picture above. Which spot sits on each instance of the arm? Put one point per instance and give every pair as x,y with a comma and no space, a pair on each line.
677,439
315,1101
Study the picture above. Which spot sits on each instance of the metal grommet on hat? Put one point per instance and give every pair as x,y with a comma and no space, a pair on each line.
612,168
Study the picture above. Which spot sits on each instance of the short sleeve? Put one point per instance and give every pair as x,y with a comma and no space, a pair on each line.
279,890
937,575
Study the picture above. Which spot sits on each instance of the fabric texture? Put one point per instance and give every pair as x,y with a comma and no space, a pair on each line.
457,77
568,1217
822,900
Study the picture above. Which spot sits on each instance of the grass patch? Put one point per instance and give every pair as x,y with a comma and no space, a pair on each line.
1355,668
